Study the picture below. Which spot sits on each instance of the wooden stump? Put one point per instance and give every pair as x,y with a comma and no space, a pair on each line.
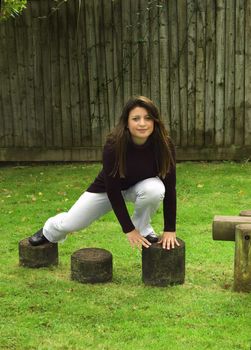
162,267
245,213
91,265
242,262
40,256
224,226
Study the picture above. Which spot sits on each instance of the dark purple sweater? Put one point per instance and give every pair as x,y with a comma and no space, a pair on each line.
140,165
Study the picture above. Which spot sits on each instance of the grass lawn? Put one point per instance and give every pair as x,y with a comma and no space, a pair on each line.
44,309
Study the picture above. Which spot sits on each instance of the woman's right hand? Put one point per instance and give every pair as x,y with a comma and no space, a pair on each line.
136,240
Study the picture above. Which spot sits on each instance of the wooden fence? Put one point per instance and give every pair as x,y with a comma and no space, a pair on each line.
66,72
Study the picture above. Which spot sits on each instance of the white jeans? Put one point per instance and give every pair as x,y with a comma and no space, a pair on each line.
146,195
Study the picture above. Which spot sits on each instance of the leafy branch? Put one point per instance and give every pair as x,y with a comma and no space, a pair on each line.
11,8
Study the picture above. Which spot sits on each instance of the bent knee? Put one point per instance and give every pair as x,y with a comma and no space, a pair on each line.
153,189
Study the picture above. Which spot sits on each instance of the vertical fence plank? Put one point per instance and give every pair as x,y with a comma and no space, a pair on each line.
229,74
144,50
200,75
191,34
21,38
118,60
127,48
2,126
13,84
99,77
135,64
239,72
247,136
92,70
220,73
72,17
55,82
182,59
164,66
38,75
46,93
3,86
101,68
83,78
30,90
174,72
210,73
64,76
109,63
154,50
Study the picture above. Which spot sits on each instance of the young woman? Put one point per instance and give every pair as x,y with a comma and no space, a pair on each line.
139,167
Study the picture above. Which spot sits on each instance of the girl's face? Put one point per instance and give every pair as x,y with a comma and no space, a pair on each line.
140,125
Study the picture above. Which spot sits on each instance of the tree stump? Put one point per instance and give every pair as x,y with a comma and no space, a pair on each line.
224,226
242,262
162,267
91,265
39,256
245,213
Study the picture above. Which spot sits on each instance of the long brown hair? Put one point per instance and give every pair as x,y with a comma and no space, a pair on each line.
120,136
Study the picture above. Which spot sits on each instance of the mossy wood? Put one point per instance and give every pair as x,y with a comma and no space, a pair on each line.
242,262
91,265
162,267
245,213
224,226
40,256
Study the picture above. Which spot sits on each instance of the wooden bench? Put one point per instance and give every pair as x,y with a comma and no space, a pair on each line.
238,229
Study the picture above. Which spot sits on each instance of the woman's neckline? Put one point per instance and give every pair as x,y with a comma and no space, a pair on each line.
140,146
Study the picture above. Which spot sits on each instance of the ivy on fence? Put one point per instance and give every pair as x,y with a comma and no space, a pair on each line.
11,8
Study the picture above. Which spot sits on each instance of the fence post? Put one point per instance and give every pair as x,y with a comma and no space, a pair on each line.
242,262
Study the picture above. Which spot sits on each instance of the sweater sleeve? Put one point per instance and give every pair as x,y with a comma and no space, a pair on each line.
170,202
112,185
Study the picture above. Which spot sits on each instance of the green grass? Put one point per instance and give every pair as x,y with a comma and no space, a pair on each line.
44,309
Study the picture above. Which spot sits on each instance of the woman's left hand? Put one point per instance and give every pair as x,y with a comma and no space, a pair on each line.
169,240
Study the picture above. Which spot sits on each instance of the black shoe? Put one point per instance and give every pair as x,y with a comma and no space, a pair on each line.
152,238
38,238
